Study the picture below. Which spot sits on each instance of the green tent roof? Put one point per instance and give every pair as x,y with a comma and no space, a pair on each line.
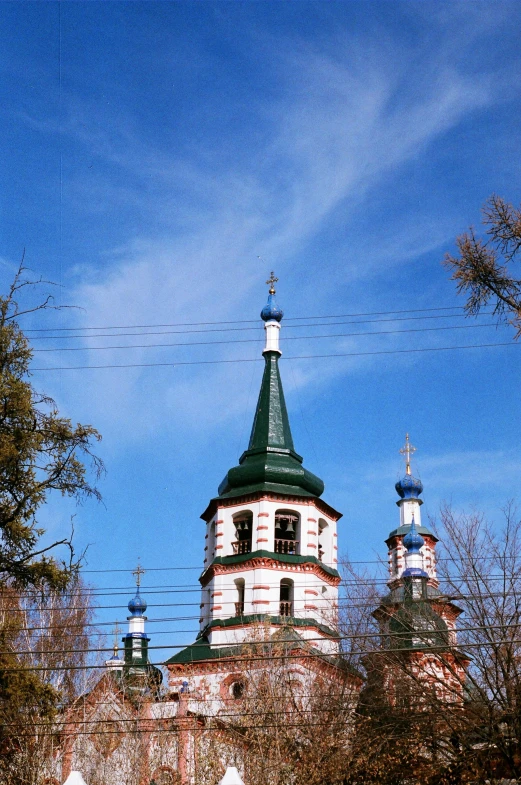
270,462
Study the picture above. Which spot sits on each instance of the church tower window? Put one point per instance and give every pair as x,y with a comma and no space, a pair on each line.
243,522
286,532
239,604
286,597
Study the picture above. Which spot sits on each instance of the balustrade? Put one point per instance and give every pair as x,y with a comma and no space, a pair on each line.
286,546
241,546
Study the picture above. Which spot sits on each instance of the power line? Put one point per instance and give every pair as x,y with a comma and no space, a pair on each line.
176,363
195,589
337,639
257,340
247,321
246,329
429,648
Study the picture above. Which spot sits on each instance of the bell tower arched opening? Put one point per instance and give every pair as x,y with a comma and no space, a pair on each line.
286,597
243,522
287,532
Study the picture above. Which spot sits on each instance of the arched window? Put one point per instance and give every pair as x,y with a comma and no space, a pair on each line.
324,545
239,603
286,532
286,597
243,522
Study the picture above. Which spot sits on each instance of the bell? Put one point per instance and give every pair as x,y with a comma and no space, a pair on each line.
290,529
238,526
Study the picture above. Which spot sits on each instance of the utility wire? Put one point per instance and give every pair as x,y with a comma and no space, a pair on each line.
242,658
247,329
248,321
337,639
258,340
125,593
176,363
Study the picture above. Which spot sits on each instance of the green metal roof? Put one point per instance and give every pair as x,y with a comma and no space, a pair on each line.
276,621
270,462
201,650
285,558
403,530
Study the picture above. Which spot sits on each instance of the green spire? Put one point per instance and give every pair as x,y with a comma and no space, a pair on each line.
271,423
270,463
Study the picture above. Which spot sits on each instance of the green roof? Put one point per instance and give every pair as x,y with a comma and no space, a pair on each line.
270,462
201,649
402,530
285,558
277,621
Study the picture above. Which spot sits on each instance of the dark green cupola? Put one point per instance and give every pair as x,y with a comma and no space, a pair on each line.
270,463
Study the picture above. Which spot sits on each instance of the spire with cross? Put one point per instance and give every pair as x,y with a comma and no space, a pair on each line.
271,281
407,450
117,630
138,572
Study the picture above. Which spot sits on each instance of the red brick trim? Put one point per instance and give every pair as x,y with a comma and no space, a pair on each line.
312,520
216,608
311,545
260,602
310,607
262,540
264,562
311,591
263,515
219,534
310,531
260,528
218,547
261,587
216,594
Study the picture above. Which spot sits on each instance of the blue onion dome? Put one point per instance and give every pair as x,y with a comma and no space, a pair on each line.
137,606
271,311
409,487
413,540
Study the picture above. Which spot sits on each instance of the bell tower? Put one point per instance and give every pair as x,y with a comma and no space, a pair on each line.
271,540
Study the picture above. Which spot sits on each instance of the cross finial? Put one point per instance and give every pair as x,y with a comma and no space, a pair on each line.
407,450
138,572
117,630
272,280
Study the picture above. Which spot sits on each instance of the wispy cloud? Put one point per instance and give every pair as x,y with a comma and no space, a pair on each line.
334,133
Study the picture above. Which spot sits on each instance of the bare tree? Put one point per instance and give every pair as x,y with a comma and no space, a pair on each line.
44,654
481,270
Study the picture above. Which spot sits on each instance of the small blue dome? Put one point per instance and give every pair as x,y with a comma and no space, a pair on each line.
137,606
413,540
409,487
271,311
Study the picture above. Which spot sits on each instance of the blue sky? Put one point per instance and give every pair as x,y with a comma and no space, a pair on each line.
152,152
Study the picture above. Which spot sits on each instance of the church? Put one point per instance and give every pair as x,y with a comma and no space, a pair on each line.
269,604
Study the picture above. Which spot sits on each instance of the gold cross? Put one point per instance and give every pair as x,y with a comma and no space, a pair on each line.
138,572
117,630
407,450
271,280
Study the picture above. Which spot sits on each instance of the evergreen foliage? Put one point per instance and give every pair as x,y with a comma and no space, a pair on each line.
39,452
